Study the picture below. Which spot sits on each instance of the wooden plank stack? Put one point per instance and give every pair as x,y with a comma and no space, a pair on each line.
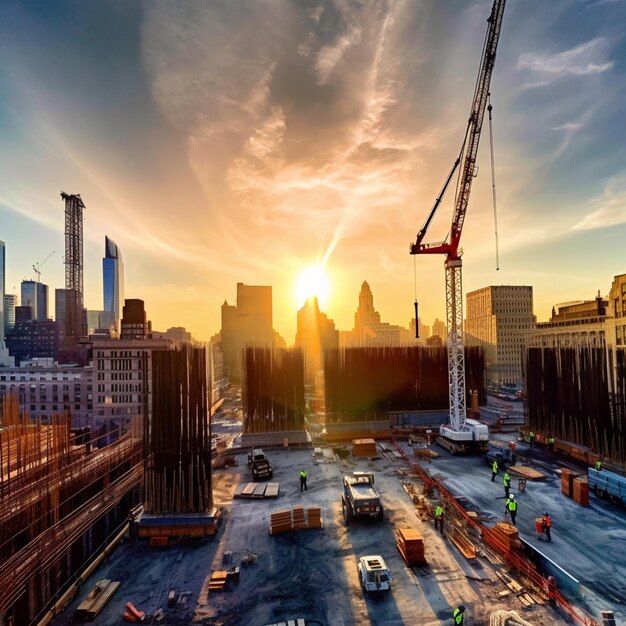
297,518
410,543
507,535
218,579
580,490
364,447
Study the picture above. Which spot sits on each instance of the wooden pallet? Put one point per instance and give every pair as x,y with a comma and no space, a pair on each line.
527,472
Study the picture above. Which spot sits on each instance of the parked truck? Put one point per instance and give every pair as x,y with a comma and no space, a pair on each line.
260,465
504,453
359,498
608,484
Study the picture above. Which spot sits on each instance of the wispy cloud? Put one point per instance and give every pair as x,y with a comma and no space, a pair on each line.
587,58
607,209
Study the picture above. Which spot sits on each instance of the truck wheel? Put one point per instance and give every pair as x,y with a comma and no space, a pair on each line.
349,515
381,514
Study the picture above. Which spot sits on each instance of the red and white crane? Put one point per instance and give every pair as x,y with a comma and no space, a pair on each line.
458,428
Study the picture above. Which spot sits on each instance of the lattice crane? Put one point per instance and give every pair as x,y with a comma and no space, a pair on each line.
457,429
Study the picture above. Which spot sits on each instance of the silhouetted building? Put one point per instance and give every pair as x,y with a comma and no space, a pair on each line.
113,282
5,359
134,323
248,323
29,339
440,330
10,302
23,314
369,331
315,334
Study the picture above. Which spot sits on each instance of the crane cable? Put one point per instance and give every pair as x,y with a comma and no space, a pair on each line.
493,181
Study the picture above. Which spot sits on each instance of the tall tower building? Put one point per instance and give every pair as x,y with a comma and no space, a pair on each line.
74,207
248,323
5,359
35,295
498,319
10,302
112,283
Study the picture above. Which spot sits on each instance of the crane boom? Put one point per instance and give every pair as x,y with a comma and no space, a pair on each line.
457,428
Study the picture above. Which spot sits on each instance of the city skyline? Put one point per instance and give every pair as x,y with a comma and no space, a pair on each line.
218,145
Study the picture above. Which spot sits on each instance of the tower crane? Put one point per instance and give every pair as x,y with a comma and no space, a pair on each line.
37,267
461,432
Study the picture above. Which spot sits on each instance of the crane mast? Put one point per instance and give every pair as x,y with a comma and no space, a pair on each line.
450,247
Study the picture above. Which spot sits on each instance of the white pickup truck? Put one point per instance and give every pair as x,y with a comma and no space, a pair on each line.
374,575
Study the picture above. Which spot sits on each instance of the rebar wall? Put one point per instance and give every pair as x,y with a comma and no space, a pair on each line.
73,263
178,441
569,396
273,391
366,383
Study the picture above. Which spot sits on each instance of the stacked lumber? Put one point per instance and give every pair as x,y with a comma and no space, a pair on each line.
217,582
97,598
297,518
527,472
364,447
566,482
507,535
425,453
580,490
410,543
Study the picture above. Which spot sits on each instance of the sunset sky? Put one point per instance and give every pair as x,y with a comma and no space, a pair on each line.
231,141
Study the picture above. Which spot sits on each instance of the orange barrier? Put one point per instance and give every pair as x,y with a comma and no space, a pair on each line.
517,561
133,614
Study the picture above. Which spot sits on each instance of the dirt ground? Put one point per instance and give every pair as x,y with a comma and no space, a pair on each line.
311,574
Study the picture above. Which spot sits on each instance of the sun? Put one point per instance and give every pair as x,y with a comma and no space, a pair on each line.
311,283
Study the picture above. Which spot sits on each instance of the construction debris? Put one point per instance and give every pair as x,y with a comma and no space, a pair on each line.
91,606
296,519
507,535
507,618
132,614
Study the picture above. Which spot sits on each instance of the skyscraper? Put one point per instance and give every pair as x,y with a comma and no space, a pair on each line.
5,359
74,207
10,302
35,295
113,281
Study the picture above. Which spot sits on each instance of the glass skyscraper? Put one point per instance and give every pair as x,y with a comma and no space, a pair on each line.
5,359
113,281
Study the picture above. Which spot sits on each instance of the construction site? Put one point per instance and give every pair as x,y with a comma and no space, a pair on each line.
413,497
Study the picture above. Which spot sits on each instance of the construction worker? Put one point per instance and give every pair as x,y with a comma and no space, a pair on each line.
551,443
303,481
511,508
507,483
457,615
531,438
598,464
546,522
494,470
439,518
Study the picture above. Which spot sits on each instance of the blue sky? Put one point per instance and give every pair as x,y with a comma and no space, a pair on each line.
227,141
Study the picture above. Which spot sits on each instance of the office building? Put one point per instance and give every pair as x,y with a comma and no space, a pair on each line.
47,389
248,323
30,339
5,359
35,295
113,282
10,302
440,330
134,324
499,319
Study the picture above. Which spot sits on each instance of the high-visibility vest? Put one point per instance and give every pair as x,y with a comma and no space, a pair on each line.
551,440
546,521
494,467
531,434
458,616
598,465
511,505
303,474
439,512
507,479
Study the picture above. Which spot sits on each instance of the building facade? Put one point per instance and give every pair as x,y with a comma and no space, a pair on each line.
5,359
32,339
10,302
134,323
498,319
35,295
44,391
113,282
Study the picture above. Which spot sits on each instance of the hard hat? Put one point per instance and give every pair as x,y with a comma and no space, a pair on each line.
461,608
512,496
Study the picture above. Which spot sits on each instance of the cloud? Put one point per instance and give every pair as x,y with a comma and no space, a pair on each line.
609,208
583,60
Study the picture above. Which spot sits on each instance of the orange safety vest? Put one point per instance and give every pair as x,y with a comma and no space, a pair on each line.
546,521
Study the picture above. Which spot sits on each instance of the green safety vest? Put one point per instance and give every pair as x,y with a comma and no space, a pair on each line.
458,616
439,511
511,505
598,465
507,480
494,467
531,434
551,440
303,474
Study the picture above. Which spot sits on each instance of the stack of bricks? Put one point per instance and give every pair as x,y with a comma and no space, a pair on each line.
297,519
364,447
580,490
507,535
411,546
